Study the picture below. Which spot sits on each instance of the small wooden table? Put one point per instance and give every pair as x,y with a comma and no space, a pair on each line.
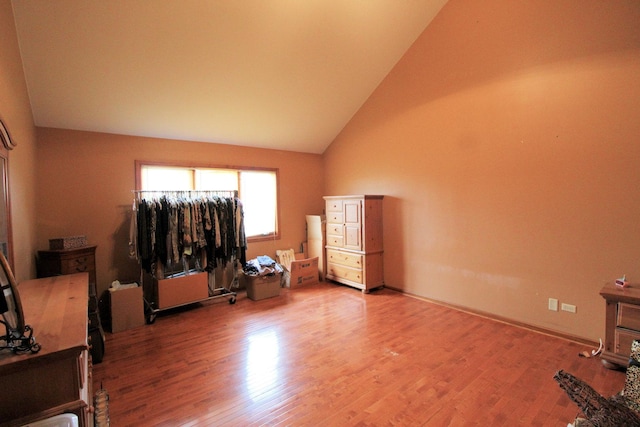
57,379
622,323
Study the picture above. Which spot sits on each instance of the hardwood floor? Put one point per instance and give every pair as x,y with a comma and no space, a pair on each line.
328,355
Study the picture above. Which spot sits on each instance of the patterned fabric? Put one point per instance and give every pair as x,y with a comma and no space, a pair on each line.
622,409
617,414
635,350
631,390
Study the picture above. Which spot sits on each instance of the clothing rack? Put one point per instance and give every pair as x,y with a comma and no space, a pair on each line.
224,214
184,193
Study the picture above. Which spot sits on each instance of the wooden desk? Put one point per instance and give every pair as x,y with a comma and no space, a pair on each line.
58,378
71,261
622,323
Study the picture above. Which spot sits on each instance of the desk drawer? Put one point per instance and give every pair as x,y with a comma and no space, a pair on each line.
628,316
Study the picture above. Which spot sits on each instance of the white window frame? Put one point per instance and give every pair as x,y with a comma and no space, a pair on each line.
140,164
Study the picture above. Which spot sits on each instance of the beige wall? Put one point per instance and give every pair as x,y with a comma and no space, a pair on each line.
15,112
506,142
85,181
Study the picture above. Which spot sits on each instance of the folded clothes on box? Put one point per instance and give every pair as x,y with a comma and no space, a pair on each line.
265,260
261,266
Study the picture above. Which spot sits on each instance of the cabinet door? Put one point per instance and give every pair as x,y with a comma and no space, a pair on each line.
353,224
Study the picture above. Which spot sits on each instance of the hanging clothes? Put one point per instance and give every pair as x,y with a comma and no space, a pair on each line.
170,227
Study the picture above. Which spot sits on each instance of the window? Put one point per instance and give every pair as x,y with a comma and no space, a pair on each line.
257,188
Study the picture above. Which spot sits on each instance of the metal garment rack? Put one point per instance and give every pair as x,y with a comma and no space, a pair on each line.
215,291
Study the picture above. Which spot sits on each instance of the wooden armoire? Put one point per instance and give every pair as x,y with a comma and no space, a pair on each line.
354,241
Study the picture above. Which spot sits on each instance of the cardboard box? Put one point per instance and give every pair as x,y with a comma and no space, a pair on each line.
316,249
316,232
303,272
298,269
261,287
127,308
183,289
316,226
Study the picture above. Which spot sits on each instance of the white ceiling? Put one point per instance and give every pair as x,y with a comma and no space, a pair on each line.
283,74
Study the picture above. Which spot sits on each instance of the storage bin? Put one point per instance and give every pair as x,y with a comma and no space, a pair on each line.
304,272
262,287
298,270
127,308
183,289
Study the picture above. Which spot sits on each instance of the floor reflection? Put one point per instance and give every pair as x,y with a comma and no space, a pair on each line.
262,364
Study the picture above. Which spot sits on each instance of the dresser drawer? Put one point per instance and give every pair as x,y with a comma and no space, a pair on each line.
344,258
343,272
78,264
334,206
335,241
628,316
623,340
335,229
335,218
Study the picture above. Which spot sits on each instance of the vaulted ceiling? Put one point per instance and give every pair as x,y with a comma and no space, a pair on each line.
282,74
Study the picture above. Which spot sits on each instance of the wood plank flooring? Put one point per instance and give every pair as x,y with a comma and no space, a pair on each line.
328,355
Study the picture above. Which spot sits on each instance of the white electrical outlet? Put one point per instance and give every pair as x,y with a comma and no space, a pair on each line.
553,304
569,307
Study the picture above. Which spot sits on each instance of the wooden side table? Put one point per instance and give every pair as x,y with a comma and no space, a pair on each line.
622,323
68,261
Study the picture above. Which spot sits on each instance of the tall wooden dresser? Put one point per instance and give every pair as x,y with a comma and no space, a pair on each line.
354,241
57,379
